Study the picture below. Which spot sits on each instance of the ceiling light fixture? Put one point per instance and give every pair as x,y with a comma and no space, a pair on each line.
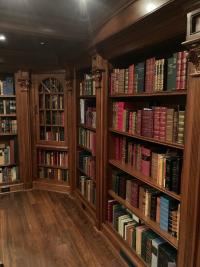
2,38
150,7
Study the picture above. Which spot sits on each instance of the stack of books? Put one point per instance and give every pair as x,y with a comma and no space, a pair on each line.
7,86
154,250
87,163
161,166
9,174
53,174
87,139
152,75
158,122
8,125
54,158
151,202
87,86
8,153
7,106
88,113
87,188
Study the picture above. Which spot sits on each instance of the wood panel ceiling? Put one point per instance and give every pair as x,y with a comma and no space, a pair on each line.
64,26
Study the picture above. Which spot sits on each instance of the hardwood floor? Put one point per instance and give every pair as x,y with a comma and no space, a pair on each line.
43,229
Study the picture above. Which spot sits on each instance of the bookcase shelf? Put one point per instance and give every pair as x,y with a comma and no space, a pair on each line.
156,94
8,134
49,147
53,166
148,139
7,96
8,115
153,225
87,127
87,96
147,180
87,149
80,170
7,165
10,183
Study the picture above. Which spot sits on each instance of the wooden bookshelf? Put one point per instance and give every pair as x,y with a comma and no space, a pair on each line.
10,174
138,101
85,103
51,151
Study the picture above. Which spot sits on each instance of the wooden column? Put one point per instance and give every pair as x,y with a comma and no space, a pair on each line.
24,127
70,85
190,211
99,69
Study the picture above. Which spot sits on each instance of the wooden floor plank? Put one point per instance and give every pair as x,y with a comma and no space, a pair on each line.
39,228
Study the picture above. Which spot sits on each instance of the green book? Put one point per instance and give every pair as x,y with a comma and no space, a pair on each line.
171,72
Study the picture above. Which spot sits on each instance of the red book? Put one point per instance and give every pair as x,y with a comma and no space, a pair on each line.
178,72
147,122
146,161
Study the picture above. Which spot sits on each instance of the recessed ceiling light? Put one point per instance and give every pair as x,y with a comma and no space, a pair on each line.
2,38
42,43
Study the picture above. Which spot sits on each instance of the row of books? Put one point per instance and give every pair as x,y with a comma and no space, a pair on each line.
87,86
154,250
51,102
7,86
56,158
162,123
7,106
53,174
52,118
9,174
87,163
8,152
51,85
52,133
153,75
88,113
87,139
151,203
8,126
164,167
87,188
